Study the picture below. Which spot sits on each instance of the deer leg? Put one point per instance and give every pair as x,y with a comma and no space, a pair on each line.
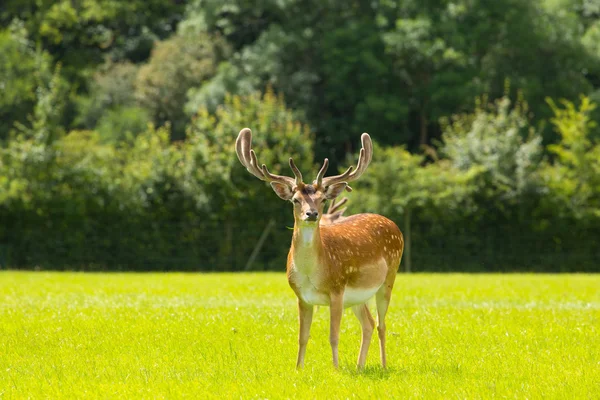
382,300
336,309
305,314
367,324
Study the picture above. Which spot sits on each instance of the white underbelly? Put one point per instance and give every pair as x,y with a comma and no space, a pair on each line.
354,296
311,296
306,286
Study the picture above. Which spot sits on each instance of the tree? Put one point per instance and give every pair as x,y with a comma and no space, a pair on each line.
110,105
574,176
176,64
497,138
80,34
275,45
23,69
392,68
435,75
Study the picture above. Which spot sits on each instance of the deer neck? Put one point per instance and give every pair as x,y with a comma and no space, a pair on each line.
307,247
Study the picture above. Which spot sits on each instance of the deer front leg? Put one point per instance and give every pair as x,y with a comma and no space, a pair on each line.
336,309
305,314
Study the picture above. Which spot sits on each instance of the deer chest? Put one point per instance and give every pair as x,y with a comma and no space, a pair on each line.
308,285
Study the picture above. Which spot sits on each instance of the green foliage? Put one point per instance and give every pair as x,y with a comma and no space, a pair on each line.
211,94
591,39
79,33
425,63
276,46
393,69
176,64
110,88
389,68
498,139
247,71
398,182
240,21
23,69
81,185
400,186
123,123
574,177
211,138
355,53
236,195
45,124
79,36
111,106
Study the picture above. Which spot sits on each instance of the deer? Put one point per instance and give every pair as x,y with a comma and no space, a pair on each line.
338,265
334,213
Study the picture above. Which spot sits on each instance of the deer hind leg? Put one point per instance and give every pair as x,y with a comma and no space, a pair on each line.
367,324
336,309
305,314
382,300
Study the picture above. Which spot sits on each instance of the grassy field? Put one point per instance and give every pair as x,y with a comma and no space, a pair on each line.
72,335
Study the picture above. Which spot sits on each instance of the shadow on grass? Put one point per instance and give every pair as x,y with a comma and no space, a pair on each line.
377,373
372,372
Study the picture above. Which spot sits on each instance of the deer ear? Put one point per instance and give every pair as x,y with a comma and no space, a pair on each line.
282,190
333,191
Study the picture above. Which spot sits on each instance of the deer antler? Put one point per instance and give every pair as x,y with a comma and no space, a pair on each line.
334,207
247,156
366,154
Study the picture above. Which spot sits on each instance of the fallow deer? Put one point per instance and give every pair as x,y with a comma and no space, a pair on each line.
338,265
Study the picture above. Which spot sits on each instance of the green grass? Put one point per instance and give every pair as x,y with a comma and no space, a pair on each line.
73,335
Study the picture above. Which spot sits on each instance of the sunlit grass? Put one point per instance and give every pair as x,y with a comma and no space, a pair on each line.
71,335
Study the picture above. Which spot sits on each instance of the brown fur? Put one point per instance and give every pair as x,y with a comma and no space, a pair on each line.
352,244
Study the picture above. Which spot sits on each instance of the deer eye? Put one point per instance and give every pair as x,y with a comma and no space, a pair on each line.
296,201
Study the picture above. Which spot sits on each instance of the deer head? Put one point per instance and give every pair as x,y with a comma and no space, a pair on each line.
308,198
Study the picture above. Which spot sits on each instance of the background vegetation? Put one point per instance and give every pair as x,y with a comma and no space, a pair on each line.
117,123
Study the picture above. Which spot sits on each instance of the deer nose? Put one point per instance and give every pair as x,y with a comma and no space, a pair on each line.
312,215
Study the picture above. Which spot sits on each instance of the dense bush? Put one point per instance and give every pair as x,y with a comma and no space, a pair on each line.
492,202
574,177
79,202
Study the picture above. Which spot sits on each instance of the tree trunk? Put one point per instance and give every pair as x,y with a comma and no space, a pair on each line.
259,244
226,247
407,255
423,122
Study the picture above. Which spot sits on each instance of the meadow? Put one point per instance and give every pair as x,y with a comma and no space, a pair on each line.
126,335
